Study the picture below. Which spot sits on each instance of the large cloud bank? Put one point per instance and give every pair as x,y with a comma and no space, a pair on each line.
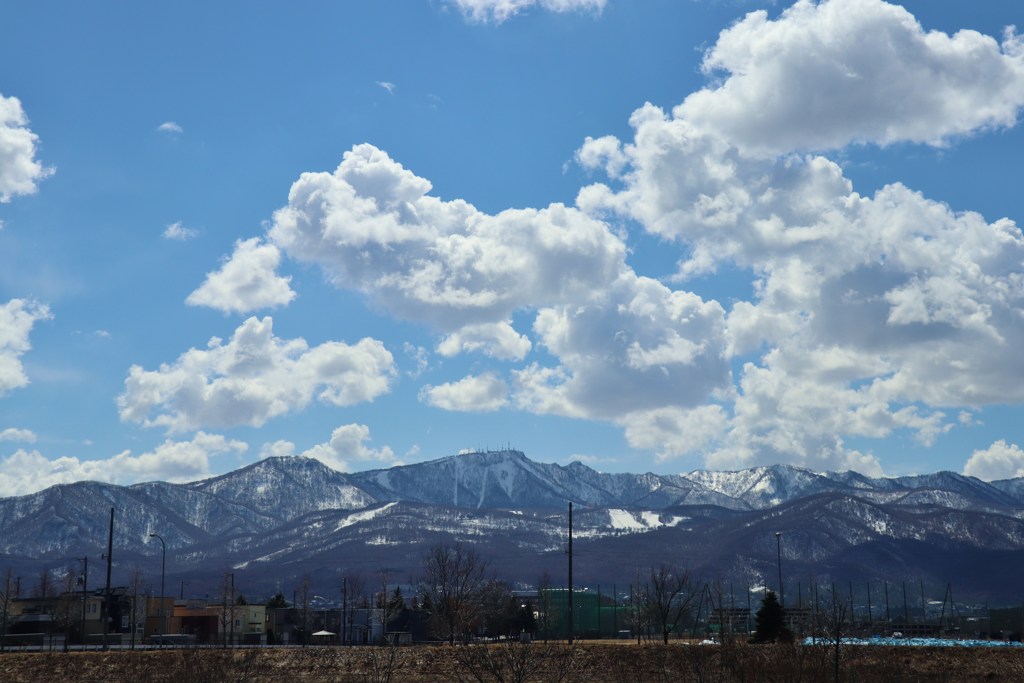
871,314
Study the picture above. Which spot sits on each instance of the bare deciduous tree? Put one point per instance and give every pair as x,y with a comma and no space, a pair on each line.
453,579
548,619
138,609
305,593
512,662
354,592
227,611
385,664
45,587
66,610
667,598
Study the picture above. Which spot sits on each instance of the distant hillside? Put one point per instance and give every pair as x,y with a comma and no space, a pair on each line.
282,518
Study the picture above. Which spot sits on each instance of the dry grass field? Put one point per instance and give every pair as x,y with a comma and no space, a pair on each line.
583,662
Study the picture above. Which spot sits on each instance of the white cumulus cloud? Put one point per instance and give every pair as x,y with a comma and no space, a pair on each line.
277,449
497,11
638,346
20,171
247,281
174,461
15,434
498,340
170,127
871,314
348,443
672,431
178,232
475,393
252,378
372,226
17,317
1001,460
617,342
825,74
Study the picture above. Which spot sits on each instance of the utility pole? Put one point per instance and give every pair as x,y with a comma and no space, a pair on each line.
634,609
570,574
85,594
851,603
778,546
106,597
640,599
344,604
615,611
732,610
748,608
163,573
887,617
232,609
906,612
6,606
924,609
812,595
869,603
226,614
384,603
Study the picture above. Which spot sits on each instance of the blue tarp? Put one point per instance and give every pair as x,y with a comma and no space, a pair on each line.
930,642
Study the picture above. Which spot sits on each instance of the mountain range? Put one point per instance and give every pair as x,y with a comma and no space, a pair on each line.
281,519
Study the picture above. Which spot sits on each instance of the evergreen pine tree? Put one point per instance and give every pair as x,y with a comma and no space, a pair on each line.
277,602
770,624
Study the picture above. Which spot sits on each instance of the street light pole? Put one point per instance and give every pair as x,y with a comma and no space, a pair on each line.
163,568
109,557
778,545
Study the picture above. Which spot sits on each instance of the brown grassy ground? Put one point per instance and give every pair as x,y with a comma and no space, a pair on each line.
537,662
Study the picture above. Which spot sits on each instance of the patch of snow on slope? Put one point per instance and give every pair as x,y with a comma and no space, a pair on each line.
362,516
651,519
483,489
621,519
380,540
645,520
506,471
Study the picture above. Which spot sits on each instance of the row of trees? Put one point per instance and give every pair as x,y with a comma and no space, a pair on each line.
456,589
460,596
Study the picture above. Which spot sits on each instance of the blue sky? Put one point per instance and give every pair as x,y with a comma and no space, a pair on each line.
652,236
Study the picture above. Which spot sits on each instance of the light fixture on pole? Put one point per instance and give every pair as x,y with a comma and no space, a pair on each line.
163,568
